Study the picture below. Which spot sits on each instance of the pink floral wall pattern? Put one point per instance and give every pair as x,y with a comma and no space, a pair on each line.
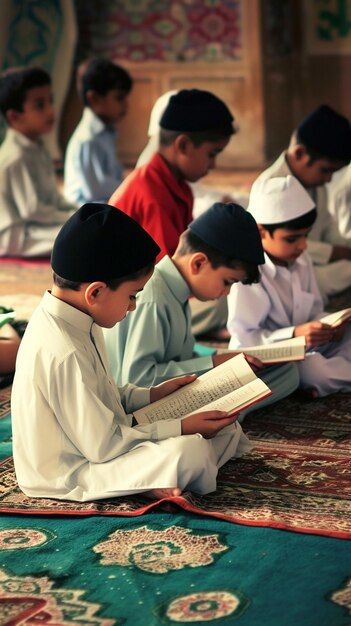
160,30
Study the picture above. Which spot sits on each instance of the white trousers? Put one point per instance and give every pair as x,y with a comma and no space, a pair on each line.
188,462
329,369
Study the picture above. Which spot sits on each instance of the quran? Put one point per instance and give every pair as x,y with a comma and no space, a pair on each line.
279,352
232,387
337,318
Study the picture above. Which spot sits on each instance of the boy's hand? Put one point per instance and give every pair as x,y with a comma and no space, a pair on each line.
316,333
207,423
164,389
217,359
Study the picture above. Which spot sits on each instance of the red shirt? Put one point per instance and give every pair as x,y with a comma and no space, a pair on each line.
158,201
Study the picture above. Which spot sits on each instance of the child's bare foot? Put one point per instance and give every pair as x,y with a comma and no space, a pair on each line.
166,492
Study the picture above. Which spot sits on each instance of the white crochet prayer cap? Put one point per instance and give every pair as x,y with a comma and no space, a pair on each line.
278,200
158,110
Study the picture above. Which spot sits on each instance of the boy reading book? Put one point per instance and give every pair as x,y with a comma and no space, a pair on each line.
221,247
320,146
286,302
73,431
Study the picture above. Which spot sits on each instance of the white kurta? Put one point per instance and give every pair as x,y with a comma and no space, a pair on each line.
72,434
325,233
32,209
339,200
269,311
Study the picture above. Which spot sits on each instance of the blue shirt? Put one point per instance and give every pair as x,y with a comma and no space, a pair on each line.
92,169
155,342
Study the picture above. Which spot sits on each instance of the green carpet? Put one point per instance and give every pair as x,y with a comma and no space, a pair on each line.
168,569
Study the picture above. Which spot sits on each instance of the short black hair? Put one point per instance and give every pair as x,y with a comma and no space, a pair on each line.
304,221
190,243
167,137
15,84
101,75
113,284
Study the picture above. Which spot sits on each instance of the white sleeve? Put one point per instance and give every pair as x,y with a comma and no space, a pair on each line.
248,309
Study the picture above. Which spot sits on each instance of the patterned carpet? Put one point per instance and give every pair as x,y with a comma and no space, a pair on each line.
297,477
106,564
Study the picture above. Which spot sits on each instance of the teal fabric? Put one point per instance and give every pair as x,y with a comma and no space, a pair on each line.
5,438
276,577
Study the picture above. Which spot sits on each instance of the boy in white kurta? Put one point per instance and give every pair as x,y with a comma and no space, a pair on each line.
73,431
286,302
319,147
32,209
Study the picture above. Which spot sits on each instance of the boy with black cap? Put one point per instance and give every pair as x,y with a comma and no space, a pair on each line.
320,146
220,247
194,128
286,302
72,427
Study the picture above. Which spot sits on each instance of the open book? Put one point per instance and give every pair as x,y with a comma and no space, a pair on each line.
337,318
279,352
231,387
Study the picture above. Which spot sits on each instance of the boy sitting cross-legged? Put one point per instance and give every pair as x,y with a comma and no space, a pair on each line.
74,436
32,209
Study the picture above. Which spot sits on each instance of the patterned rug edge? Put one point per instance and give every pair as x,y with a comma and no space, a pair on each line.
166,504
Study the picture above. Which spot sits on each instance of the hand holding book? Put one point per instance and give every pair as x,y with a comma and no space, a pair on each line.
230,387
207,423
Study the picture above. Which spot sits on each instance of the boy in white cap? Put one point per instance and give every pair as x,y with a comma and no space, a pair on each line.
74,436
286,302
320,146
220,247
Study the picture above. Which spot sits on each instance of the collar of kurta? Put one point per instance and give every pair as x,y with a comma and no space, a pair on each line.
94,123
271,268
174,279
66,312
179,188
22,140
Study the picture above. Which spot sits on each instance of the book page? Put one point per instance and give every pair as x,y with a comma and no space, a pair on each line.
334,319
239,398
212,385
288,350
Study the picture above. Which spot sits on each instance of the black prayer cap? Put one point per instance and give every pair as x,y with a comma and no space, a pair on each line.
100,242
231,230
326,132
193,110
